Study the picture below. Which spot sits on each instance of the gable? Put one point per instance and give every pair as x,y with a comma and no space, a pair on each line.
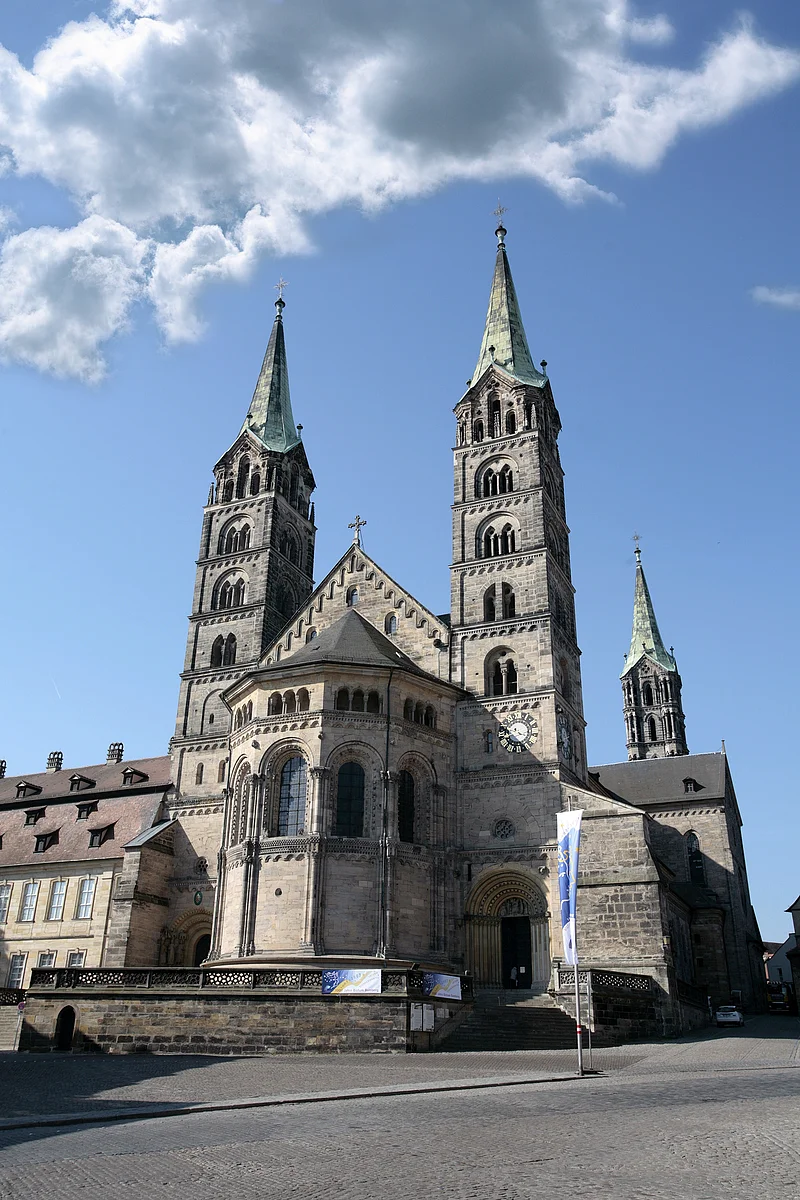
420,633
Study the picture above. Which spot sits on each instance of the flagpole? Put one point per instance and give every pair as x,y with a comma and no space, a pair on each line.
578,1017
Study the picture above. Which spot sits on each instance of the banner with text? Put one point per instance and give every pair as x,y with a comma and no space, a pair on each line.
569,835
445,987
337,982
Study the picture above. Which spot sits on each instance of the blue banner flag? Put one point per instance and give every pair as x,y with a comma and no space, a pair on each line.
568,826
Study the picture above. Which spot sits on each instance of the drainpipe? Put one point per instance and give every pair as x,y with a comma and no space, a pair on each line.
384,905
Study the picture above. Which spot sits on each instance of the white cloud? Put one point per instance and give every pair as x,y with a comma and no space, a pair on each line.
784,297
63,292
208,130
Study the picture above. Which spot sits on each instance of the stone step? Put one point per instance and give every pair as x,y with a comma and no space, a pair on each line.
514,1027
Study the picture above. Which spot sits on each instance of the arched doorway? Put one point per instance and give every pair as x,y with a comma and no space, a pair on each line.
508,936
65,1028
201,949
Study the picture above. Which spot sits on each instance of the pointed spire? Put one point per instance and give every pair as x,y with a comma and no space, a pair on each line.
504,342
270,414
646,638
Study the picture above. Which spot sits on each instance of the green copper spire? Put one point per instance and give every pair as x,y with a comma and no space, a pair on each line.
270,414
504,342
645,638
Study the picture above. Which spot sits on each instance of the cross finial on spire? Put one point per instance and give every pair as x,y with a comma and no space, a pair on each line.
500,231
357,525
637,538
280,303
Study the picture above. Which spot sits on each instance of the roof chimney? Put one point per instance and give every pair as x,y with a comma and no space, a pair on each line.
55,760
2,768
115,751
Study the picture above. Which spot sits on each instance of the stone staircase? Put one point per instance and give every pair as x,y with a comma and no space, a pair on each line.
9,1020
513,1021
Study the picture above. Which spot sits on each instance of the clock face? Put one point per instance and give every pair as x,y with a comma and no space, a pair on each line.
518,732
564,737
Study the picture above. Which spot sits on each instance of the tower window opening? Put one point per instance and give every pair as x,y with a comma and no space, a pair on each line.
217,650
429,718
303,700
408,710
488,741
289,702
511,423
221,770
229,652
647,695
501,677
509,602
255,483
652,732
342,701
419,713
405,807
528,414
697,869
477,432
198,775
241,478
505,480
494,417
227,491
294,485
373,703
275,704
349,801
357,704
489,605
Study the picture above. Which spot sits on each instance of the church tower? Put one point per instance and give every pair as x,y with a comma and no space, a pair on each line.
651,685
513,640
254,570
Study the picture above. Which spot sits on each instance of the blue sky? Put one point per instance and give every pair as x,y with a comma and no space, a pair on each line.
677,389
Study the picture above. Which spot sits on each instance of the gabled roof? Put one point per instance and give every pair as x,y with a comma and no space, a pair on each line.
350,640
54,786
504,342
661,780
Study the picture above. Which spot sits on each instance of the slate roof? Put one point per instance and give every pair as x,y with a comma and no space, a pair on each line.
645,636
131,810
352,641
270,414
660,780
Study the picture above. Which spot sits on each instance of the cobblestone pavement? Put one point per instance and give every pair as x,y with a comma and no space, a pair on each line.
33,1084
686,1135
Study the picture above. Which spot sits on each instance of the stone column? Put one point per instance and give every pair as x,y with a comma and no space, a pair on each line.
312,940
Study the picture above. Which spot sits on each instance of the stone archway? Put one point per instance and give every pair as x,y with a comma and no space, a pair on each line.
180,942
507,925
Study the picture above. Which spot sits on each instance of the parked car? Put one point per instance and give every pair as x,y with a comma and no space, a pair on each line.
728,1014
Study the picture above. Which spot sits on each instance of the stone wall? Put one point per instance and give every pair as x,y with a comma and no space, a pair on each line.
201,1024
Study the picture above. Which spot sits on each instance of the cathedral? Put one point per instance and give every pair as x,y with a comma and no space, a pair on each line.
354,778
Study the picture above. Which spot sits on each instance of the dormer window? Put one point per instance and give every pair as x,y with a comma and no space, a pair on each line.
691,785
44,841
33,815
130,776
78,783
27,789
85,810
97,837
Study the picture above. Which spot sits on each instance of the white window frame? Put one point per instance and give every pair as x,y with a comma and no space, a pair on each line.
51,954
28,889
56,913
87,885
13,963
73,954
6,890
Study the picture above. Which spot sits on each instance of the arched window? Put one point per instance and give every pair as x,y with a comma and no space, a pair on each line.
249,710
506,479
225,595
198,775
358,701
349,801
488,741
652,732
239,719
477,431
352,597
408,710
528,414
289,702
511,423
419,713
275,704
509,602
217,651
238,593
312,633
229,652
697,867
501,676
489,605
491,543
286,601
221,770
647,694
241,478
405,807
227,491
294,484
373,703
303,700
489,483
255,483
511,676
390,624
667,689
494,416
508,540
292,801
430,717
342,701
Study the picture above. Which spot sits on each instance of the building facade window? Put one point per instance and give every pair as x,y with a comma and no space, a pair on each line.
76,958
198,775
292,801
390,624
47,958
30,894
58,895
349,801
352,597
16,970
85,899
5,901
405,807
